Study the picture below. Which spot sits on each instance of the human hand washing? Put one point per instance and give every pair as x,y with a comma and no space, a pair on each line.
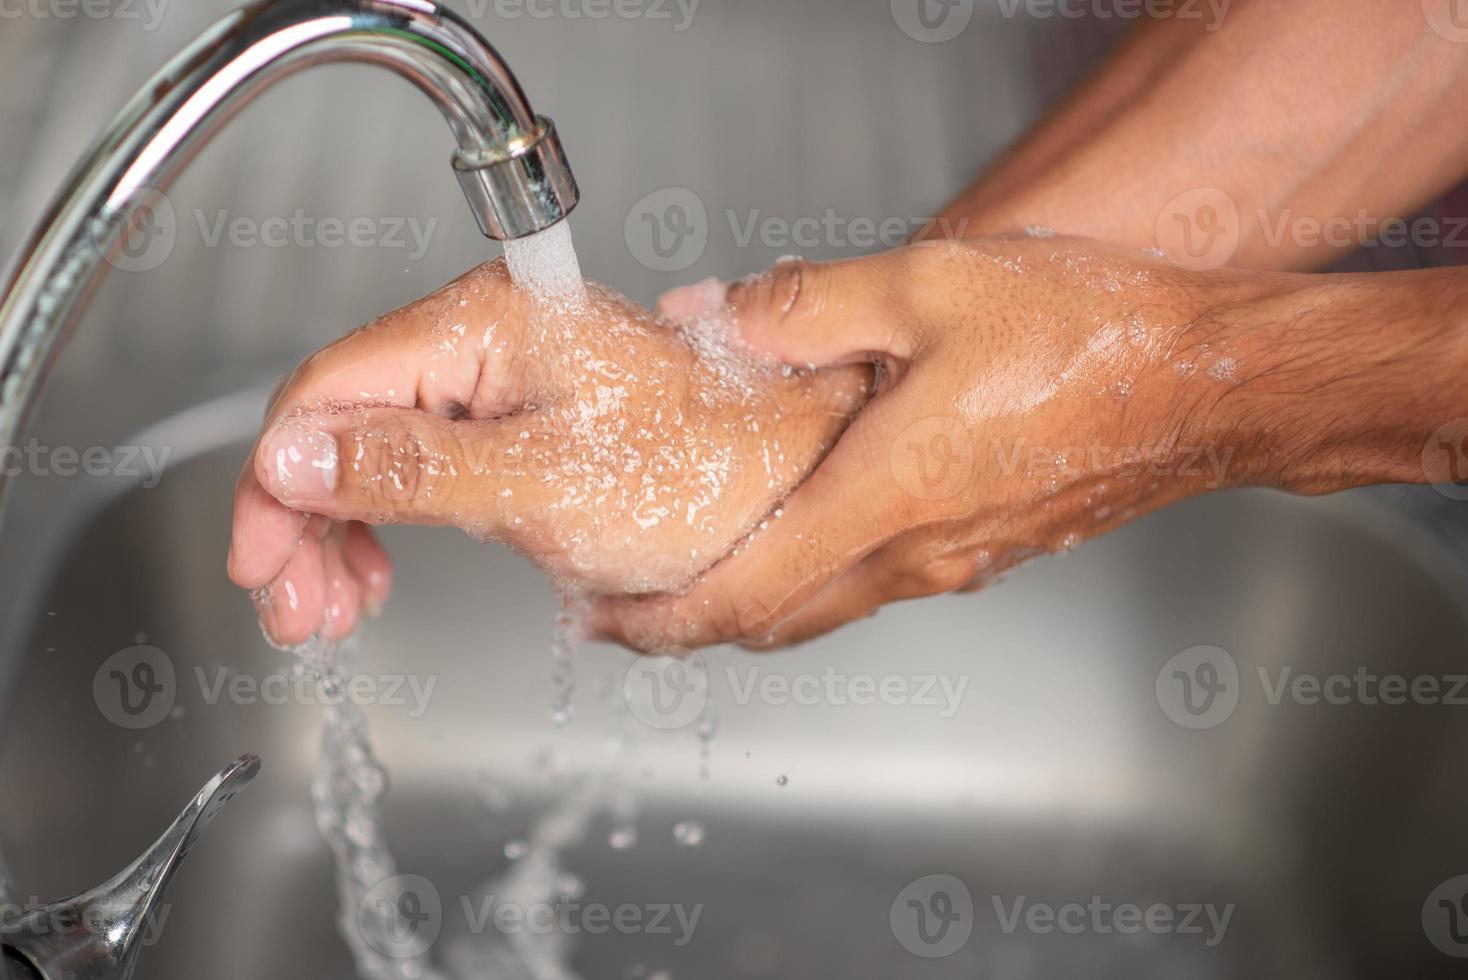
1036,392
617,452
1033,392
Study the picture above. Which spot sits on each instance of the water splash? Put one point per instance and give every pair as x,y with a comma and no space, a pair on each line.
563,669
545,266
347,789
689,833
536,878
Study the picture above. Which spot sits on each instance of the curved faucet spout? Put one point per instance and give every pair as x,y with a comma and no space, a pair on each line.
508,160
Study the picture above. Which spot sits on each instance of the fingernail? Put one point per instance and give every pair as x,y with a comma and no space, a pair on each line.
695,302
300,462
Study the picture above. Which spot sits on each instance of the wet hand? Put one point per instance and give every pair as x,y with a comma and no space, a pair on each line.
618,453
1034,393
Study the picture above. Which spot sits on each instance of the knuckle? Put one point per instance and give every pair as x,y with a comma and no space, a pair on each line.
792,283
771,298
746,617
401,466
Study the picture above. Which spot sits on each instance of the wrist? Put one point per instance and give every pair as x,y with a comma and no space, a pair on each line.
1323,383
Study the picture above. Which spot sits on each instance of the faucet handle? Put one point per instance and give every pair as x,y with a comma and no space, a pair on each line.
97,935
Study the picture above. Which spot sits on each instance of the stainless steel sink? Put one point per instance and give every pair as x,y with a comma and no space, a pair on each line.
1061,777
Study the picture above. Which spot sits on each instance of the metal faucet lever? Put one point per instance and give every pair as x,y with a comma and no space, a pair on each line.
97,935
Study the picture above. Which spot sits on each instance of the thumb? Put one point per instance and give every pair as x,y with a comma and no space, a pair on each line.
815,313
383,465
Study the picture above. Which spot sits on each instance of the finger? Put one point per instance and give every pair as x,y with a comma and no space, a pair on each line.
887,576
434,354
700,301
820,314
448,353
291,607
264,533
342,595
369,565
855,595
385,465
751,592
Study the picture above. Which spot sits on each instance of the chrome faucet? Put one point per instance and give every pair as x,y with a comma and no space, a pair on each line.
97,936
509,160
513,172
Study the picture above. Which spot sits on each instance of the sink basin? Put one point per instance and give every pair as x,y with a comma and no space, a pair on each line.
1059,778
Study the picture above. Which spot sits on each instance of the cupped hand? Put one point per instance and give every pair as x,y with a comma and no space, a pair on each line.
619,453
1034,392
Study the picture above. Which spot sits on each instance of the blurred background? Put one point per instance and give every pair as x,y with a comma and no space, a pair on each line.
1060,775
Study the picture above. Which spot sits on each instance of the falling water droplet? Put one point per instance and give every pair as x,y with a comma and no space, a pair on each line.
689,833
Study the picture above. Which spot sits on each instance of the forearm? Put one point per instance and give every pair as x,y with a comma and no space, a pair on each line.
1333,381
1297,112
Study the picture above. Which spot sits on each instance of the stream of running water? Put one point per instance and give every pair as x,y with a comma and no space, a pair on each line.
376,903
